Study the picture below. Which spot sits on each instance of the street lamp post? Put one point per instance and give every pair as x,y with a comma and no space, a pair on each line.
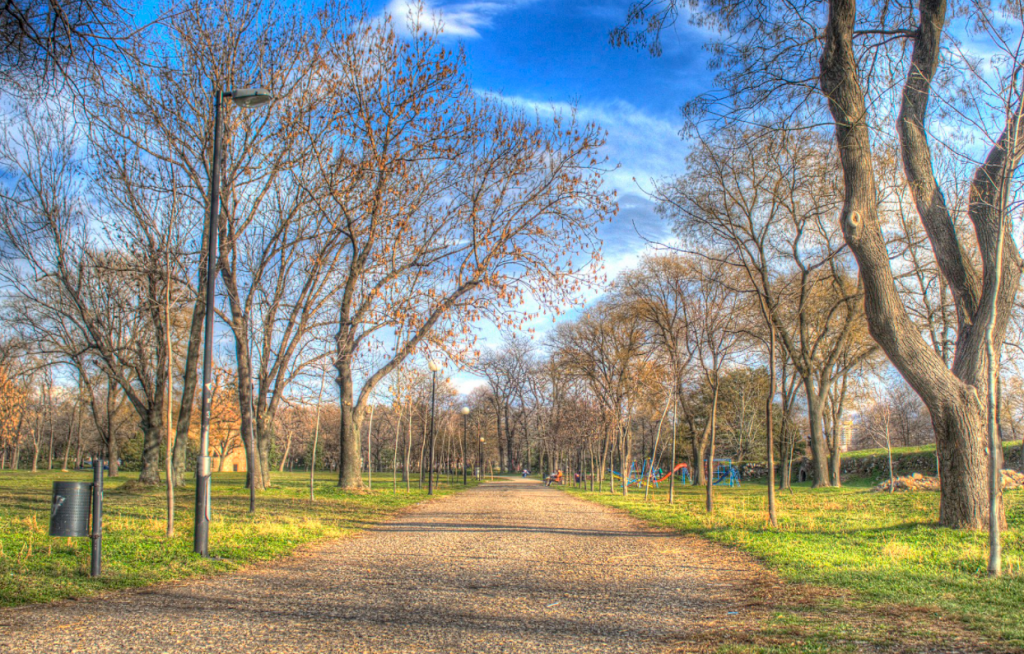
243,98
434,367
465,429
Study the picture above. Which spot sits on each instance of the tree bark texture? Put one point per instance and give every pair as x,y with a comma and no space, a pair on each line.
192,358
699,446
349,465
819,449
954,398
710,486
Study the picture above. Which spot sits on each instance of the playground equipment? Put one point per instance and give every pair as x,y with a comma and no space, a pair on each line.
725,471
630,481
682,466
638,476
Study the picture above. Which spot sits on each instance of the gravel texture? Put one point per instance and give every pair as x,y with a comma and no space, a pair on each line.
510,566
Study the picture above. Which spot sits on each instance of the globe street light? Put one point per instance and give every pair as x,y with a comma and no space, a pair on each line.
246,98
434,367
465,428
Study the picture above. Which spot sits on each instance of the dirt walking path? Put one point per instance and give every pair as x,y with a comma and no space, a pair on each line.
509,566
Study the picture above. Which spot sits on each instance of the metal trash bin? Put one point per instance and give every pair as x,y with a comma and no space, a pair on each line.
69,510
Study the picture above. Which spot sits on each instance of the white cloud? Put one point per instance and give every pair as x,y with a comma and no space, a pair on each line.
643,146
456,19
465,382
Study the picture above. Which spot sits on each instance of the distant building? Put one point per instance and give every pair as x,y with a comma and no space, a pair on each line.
224,435
846,436
233,462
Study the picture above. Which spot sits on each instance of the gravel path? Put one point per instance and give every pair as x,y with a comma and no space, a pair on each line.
509,566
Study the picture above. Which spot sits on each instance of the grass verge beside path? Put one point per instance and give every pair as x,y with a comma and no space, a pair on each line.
35,567
883,553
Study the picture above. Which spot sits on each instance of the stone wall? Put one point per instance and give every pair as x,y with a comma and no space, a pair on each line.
877,465
907,464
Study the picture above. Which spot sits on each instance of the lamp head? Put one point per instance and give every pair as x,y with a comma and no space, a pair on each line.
251,98
482,439
433,365
465,410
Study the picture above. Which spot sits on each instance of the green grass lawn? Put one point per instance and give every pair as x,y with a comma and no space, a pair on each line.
35,567
885,549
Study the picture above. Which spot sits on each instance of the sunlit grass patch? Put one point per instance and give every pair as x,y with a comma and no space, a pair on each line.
885,548
35,567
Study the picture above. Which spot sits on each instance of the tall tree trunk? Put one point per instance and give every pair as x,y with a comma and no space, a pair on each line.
191,366
787,457
168,404
500,434
611,474
408,450
837,400
113,452
835,457
709,498
152,422
49,449
78,443
255,477
654,448
394,458
952,397
604,452
964,498
423,449
316,434
113,455
151,428
369,455
625,457
769,415
287,450
700,448
349,474
507,463
67,446
819,449
672,463
264,421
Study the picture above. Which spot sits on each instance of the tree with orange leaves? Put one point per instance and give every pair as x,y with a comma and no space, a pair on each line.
12,408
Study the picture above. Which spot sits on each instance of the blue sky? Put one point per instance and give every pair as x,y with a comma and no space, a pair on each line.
557,52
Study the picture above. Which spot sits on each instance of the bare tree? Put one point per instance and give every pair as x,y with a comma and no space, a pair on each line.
775,61
608,348
78,298
715,338
449,205
46,45
762,202
657,291
274,257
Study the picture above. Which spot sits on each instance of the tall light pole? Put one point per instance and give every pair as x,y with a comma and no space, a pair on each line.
434,367
465,429
243,98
